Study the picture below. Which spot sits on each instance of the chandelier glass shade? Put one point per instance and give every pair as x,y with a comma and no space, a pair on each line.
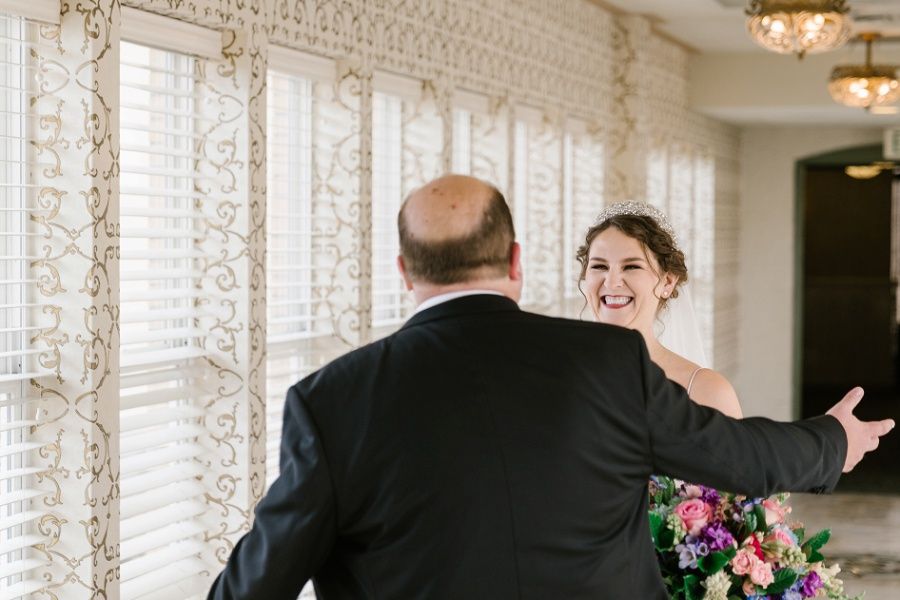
799,26
865,86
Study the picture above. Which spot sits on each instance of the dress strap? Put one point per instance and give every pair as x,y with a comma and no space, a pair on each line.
693,375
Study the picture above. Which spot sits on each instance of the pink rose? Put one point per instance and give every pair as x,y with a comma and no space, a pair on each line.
775,512
779,535
761,574
743,561
695,514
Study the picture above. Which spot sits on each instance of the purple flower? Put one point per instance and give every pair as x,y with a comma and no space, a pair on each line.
811,585
710,496
690,551
716,536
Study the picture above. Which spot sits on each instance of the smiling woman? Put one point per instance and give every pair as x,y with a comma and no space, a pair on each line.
631,268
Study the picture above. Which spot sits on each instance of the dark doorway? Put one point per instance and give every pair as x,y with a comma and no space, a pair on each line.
848,307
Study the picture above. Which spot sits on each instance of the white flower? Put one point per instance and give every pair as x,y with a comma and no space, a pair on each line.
717,586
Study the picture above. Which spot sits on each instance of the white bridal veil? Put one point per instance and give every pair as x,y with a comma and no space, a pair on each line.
678,330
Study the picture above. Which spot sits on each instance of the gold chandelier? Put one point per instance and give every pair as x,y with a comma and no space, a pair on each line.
799,26
865,86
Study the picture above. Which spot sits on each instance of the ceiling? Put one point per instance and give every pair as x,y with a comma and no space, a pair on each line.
712,25
735,80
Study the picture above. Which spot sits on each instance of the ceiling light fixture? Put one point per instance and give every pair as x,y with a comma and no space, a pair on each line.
799,26
865,86
868,171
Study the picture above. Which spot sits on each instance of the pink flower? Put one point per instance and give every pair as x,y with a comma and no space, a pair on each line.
779,535
695,514
749,588
775,512
761,574
744,561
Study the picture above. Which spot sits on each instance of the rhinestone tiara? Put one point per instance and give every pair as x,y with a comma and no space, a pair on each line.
637,209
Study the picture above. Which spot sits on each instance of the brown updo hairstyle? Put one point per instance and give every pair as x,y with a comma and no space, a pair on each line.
652,238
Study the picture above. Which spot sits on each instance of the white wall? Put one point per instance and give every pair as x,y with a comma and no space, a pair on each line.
764,380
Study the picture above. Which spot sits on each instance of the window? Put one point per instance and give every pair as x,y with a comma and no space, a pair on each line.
407,150
163,372
22,318
303,132
390,303
462,141
537,201
480,139
681,183
583,189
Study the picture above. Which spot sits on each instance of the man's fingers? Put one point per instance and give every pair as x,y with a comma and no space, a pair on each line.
880,428
852,398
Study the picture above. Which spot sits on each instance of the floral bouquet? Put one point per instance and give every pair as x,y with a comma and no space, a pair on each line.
719,546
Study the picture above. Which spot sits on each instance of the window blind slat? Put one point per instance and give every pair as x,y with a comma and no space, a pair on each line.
181,580
141,462
157,416
21,566
21,496
160,497
160,396
137,484
156,357
160,437
148,521
21,589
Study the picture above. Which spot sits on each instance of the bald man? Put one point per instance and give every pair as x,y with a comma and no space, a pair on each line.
482,452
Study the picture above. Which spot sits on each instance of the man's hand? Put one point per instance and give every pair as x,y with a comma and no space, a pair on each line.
862,436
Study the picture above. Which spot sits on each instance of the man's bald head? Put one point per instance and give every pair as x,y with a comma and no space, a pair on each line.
455,229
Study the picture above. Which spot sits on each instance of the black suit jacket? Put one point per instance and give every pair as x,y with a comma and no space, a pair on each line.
483,452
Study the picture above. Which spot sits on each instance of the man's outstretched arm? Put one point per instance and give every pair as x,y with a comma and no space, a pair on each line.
753,456
296,524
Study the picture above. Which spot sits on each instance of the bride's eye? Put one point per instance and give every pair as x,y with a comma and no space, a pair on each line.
598,267
627,267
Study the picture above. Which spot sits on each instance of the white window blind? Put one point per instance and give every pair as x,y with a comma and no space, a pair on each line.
21,316
303,119
462,141
390,302
163,374
681,183
583,190
407,146
520,202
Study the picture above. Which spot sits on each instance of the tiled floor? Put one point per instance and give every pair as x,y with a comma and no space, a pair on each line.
865,538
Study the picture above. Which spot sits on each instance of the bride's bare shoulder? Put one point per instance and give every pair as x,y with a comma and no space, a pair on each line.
712,389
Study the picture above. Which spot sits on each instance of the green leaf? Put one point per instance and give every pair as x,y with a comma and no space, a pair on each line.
750,521
800,532
784,579
656,524
730,552
666,538
713,563
692,589
760,513
815,556
817,541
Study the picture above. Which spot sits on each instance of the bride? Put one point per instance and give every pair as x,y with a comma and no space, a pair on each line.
634,276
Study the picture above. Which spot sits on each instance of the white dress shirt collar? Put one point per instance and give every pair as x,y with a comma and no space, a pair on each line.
441,298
